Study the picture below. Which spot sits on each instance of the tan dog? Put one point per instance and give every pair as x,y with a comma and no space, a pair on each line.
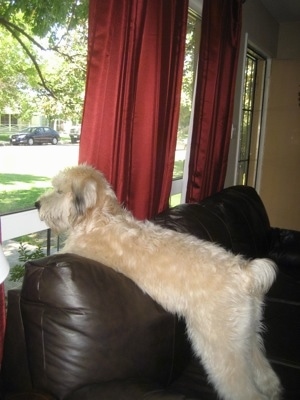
220,295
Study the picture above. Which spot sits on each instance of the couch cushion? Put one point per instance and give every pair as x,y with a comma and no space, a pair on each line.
14,370
85,323
285,251
133,390
282,333
235,218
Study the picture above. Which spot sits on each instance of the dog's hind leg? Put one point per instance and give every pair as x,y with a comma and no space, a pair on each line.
264,376
227,360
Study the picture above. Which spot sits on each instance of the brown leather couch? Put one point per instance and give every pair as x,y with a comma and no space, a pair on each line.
79,330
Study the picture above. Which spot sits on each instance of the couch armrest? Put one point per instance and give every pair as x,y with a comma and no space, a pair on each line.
85,323
285,251
15,374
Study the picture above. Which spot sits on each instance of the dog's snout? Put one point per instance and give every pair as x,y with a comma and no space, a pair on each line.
37,204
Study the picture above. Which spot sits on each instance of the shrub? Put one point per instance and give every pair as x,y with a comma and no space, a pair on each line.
17,271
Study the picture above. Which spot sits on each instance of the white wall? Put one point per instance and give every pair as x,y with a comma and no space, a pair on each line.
279,164
289,41
280,172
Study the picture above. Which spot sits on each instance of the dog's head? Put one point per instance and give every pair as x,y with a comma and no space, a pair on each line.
77,191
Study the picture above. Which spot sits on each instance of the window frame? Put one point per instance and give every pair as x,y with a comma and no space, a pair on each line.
258,117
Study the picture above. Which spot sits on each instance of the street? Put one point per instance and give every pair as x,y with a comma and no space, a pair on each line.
45,160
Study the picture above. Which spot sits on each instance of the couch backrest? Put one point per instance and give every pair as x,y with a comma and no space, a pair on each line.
85,323
235,218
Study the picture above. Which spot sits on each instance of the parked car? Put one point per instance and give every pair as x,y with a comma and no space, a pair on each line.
75,134
35,135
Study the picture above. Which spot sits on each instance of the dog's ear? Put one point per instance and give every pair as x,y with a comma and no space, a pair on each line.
85,195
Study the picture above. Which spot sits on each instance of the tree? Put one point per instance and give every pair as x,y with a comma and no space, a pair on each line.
16,71
46,16
44,43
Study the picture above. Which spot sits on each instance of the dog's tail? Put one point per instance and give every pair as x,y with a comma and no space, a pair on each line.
263,273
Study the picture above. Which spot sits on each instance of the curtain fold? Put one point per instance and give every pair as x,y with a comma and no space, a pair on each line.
131,110
219,48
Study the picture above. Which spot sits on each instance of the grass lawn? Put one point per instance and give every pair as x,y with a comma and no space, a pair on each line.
18,192
4,137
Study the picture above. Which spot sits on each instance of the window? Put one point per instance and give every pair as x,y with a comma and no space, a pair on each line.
186,102
27,170
252,107
42,74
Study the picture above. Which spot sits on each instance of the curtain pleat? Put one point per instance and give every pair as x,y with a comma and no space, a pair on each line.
219,48
131,110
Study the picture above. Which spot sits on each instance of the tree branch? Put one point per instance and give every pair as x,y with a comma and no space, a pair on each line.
14,27
11,28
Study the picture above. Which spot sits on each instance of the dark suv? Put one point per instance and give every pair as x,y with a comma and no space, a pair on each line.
75,134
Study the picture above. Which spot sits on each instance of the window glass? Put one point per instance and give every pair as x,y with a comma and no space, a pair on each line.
38,110
187,90
40,129
252,110
40,103
186,100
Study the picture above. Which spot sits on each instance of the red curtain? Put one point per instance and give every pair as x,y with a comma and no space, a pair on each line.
221,27
130,119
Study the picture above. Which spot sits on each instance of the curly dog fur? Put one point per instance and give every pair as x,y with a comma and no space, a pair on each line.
219,294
